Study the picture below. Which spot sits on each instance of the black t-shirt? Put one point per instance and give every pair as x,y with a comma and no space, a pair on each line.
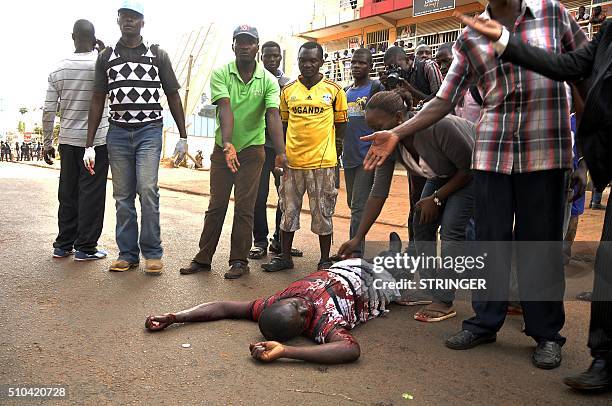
166,74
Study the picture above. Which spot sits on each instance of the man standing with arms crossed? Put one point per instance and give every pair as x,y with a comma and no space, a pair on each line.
523,148
315,110
132,74
247,98
81,195
271,56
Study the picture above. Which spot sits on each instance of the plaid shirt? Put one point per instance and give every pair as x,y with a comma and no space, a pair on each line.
432,75
525,122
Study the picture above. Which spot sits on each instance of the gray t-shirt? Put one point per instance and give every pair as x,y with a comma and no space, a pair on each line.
445,146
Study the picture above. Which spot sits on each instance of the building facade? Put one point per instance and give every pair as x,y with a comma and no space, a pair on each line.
341,26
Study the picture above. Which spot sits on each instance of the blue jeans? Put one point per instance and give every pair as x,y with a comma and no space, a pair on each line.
134,160
453,222
358,185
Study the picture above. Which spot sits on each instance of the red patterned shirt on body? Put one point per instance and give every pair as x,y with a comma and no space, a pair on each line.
338,302
524,125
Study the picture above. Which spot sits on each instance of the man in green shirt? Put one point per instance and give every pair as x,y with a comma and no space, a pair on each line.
247,99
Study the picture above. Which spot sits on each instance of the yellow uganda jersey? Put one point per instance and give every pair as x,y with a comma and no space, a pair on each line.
310,115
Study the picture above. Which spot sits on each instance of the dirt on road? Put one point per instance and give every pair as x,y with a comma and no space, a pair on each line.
78,325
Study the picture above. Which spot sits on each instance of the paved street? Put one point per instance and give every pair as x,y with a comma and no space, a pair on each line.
77,324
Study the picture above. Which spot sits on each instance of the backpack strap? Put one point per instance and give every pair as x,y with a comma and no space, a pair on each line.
375,88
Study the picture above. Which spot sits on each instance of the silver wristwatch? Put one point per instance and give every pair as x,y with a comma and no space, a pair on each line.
436,199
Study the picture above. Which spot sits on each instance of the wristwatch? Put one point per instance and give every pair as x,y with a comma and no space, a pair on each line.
436,199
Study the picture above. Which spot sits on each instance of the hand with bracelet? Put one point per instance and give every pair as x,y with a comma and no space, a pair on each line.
231,156
429,208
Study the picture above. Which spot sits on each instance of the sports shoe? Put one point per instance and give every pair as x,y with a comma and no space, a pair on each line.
154,266
547,355
122,265
83,256
61,253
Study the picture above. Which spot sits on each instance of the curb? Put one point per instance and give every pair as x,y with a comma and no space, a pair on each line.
191,192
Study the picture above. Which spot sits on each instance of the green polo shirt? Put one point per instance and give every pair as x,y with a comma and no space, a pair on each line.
249,102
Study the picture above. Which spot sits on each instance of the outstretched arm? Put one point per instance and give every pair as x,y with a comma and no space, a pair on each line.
569,66
205,312
340,349
384,142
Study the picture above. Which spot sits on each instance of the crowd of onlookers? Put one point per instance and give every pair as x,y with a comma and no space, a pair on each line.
26,151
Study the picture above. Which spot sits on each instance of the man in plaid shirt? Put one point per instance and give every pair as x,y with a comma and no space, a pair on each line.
522,152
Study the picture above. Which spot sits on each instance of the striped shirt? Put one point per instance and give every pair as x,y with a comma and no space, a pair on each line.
432,76
524,125
70,88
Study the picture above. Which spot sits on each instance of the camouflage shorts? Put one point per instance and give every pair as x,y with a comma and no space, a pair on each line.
322,193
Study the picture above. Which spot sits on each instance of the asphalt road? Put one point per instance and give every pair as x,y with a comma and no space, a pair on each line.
77,324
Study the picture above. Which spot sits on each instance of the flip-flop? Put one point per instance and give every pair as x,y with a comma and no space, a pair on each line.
257,253
413,302
420,316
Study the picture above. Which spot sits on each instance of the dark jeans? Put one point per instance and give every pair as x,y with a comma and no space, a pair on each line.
245,184
596,196
526,207
416,185
81,199
600,329
453,221
358,186
260,219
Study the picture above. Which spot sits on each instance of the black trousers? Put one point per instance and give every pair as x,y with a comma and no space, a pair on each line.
260,221
521,207
600,330
81,199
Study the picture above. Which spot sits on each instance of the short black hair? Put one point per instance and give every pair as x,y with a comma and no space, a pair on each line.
393,52
84,29
312,45
364,52
447,46
278,323
270,44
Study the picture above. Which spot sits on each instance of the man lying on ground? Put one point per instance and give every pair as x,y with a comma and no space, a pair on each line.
323,306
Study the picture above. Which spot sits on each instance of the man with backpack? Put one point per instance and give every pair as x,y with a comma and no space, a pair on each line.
132,74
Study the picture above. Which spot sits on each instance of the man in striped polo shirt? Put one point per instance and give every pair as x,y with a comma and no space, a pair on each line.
132,74
81,196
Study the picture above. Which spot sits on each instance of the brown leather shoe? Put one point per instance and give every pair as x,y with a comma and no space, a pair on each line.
154,266
121,265
237,269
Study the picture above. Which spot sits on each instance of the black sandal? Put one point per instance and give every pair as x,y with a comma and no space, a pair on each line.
324,265
275,248
277,264
257,253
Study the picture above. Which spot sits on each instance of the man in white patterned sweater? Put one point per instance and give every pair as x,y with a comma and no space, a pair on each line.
81,196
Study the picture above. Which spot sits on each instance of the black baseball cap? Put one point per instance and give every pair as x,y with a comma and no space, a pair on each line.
246,29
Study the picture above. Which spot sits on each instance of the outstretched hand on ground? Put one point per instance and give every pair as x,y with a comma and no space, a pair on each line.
157,323
267,351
